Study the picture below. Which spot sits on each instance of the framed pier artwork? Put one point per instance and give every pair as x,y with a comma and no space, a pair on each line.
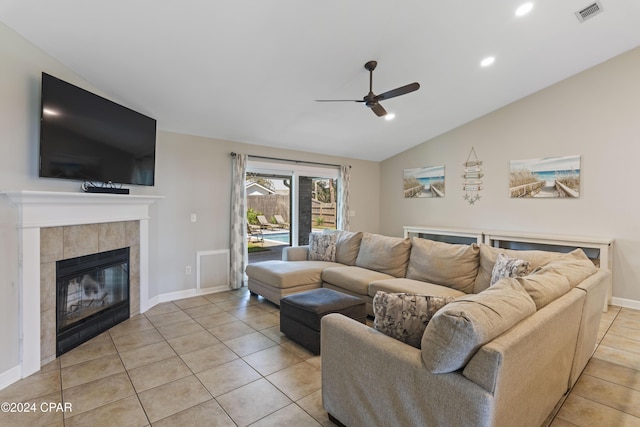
547,177
425,182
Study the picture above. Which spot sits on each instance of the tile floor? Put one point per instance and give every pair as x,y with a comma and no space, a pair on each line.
220,360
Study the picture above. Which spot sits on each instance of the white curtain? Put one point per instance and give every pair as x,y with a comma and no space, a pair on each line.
343,197
238,256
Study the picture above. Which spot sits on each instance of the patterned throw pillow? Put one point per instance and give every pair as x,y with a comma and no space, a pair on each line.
508,267
405,316
322,247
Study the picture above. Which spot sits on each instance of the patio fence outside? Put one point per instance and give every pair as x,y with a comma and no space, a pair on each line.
278,204
325,211
270,205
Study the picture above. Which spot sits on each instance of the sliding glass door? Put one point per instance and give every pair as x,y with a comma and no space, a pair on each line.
285,202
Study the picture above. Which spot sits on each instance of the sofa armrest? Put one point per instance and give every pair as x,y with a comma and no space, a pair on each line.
595,287
369,378
528,367
295,253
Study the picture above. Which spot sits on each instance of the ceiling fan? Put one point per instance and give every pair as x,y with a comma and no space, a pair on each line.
372,100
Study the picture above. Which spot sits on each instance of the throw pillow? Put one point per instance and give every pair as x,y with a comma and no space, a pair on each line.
322,247
405,316
506,266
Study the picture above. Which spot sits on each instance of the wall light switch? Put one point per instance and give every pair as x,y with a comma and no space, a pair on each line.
352,213
194,218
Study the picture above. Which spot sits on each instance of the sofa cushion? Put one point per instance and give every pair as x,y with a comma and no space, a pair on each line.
444,264
410,286
287,274
352,279
405,316
506,266
489,254
575,266
389,255
544,287
460,328
348,246
322,247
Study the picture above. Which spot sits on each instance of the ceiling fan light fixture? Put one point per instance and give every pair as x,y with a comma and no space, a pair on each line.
487,61
524,9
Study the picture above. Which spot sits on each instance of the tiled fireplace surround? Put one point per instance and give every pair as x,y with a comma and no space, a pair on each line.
60,225
59,243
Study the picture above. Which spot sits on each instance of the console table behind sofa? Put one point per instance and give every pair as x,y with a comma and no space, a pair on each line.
598,249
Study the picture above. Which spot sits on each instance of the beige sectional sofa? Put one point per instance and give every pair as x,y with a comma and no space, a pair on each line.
496,356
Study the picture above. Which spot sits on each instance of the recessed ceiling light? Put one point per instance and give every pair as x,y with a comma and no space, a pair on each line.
389,116
487,61
524,9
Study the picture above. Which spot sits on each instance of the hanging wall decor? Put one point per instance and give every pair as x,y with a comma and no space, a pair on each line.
424,182
548,177
472,184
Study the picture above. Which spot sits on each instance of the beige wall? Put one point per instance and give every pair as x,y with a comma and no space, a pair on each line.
193,173
595,114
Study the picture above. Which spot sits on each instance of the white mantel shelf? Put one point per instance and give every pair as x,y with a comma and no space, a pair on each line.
51,209
40,209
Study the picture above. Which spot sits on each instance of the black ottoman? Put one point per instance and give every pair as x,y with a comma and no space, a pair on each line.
300,314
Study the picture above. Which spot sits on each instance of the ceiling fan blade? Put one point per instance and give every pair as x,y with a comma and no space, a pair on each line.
339,100
411,87
377,108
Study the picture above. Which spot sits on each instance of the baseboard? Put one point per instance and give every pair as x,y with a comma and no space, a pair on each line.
626,303
187,293
11,376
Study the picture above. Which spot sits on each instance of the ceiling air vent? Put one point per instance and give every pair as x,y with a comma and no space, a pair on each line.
589,11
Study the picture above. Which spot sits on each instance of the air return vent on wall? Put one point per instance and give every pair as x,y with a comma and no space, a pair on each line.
589,11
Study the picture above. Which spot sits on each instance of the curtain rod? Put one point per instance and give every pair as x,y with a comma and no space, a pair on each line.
288,160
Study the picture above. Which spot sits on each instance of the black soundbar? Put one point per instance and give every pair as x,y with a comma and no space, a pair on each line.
111,190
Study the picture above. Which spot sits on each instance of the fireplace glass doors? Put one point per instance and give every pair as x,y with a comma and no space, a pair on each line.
92,296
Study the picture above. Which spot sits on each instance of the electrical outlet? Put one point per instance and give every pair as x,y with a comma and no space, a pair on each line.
194,218
187,270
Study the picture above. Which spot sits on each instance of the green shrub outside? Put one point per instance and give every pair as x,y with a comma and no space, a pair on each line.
252,216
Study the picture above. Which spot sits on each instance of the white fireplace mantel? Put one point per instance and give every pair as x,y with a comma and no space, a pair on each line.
39,209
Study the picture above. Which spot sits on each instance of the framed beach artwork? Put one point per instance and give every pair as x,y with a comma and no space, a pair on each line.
424,182
547,177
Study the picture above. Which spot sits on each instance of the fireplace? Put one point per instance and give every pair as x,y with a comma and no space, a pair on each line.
58,225
92,295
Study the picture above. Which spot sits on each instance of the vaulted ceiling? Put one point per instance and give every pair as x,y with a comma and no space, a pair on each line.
250,70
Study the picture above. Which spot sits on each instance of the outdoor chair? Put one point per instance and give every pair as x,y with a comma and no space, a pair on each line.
264,223
254,231
281,222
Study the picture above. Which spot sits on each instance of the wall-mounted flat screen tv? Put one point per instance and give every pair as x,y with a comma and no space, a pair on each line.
88,138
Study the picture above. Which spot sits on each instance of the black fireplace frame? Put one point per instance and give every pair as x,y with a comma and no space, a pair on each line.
71,336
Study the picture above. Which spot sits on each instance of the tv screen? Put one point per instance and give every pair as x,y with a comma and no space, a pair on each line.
89,138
